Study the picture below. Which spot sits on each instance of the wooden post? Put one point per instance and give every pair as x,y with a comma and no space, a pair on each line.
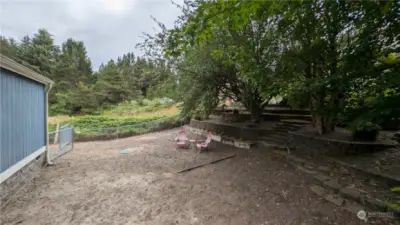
57,131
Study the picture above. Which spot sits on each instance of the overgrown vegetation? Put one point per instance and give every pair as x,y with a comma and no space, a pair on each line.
128,117
95,126
101,127
143,106
394,206
334,57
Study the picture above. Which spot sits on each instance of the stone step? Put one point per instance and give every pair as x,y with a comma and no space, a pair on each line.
296,121
272,145
287,129
272,140
281,132
237,142
390,181
291,125
335,199
349,193
331,185
275,135
287,111
275,116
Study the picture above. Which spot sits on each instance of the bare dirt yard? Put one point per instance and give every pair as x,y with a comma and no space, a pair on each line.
95,184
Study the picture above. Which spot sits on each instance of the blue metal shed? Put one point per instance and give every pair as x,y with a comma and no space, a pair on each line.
23,116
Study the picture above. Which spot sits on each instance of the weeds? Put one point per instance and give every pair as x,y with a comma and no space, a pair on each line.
140,106
126,119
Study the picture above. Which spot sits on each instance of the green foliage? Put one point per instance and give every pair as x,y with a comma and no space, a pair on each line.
339,58
125,117
139,106
86,126
79,90
319,54
362,125
105,121
393,206
197,117
395,189
90,122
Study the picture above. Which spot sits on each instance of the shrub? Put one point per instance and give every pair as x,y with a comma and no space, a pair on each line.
134,107
361,125
197,117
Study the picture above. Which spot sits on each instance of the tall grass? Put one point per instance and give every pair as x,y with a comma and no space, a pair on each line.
137,107
124,114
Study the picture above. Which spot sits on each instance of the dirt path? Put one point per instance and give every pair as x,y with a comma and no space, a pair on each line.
95,184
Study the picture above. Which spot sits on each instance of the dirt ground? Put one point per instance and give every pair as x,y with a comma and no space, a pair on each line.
95,184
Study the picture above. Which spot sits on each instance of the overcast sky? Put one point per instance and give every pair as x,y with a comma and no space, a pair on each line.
109,28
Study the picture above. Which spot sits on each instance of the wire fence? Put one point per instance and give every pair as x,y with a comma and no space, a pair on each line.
61,141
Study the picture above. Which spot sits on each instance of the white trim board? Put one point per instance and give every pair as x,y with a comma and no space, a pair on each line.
19,165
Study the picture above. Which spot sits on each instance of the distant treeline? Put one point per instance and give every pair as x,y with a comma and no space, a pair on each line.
78,89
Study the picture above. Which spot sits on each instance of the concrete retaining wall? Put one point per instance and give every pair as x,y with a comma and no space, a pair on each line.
223,139
226,130
280,110
18,180
266,116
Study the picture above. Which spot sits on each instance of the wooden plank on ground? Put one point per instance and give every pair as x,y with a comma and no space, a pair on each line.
208,163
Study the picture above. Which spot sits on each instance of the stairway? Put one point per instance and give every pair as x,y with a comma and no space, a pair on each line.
278,136
333,181
346,188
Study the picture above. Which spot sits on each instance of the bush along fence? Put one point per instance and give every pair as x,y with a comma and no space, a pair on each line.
107,133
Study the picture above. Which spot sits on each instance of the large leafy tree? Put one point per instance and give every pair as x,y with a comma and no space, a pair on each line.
336,48
240,54
315,52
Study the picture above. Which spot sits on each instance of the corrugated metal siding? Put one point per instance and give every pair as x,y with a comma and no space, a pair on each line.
22,117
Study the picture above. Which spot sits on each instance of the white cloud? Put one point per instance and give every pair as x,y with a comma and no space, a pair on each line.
109,28
118,6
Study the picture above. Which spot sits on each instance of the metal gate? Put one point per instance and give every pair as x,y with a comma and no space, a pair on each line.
62,141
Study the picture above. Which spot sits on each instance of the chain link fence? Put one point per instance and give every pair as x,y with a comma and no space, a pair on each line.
61,141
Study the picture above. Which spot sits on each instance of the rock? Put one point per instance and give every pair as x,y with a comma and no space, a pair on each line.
335,199
324,169
396,136
350,193
344,171
353,207
321,177
309,167
333,184
375,203
297,160
304,170
372,183
318,190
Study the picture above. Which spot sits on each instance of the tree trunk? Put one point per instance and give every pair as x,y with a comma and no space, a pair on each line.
256,111
323,123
